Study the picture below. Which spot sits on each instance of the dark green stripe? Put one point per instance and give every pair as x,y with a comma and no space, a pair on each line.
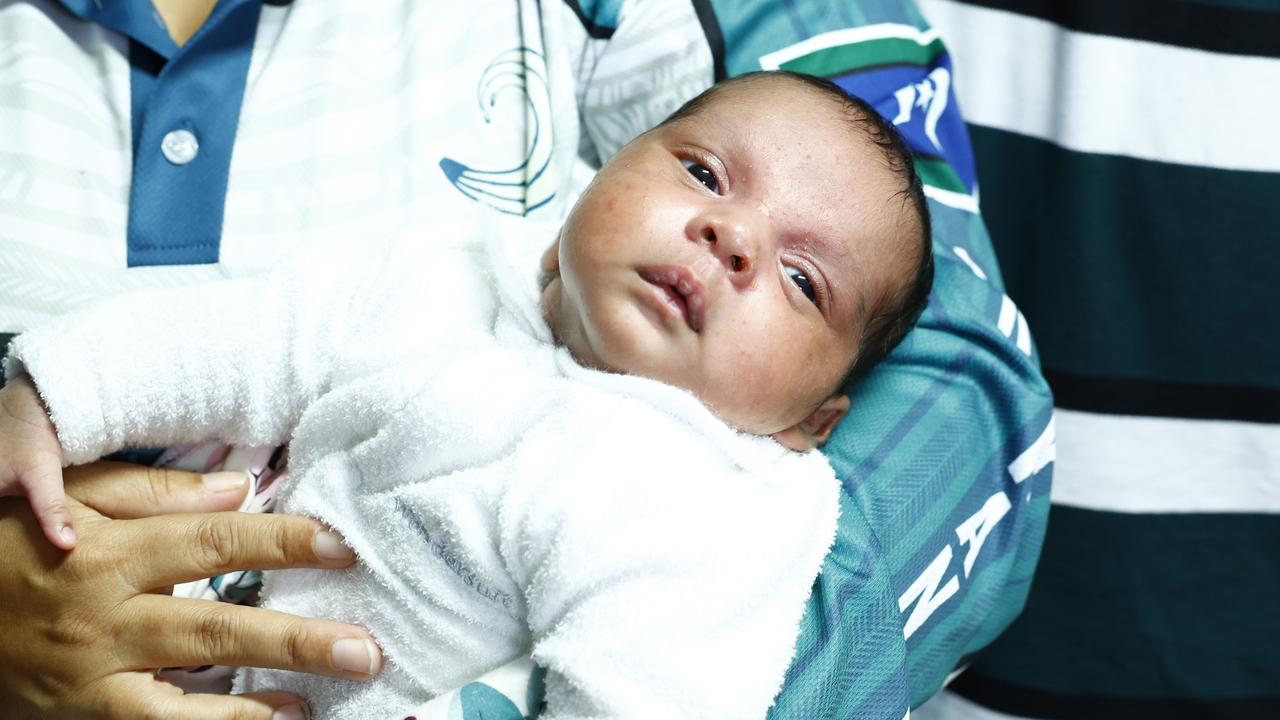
1017,700
939,174
1260,5
1137,269
1125,396
843,59
1149,606
1216,27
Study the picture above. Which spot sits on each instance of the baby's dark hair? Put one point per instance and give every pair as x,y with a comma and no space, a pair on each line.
898,313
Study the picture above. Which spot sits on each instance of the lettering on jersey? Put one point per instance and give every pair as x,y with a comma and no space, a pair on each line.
929,591
1011,317
924,592
974,531
1042,452
928,95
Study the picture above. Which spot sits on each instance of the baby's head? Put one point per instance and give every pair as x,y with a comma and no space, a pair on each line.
762,247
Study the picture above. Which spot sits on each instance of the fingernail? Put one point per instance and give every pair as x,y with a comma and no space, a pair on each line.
357,656
292,712
328,545
67,534
225,481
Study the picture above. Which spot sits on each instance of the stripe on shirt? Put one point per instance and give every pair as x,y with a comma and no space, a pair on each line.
1224,27
1164,103
1130,396
1026,703
1137,270
1155,606
1166,465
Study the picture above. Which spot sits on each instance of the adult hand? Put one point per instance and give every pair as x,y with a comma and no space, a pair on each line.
84,630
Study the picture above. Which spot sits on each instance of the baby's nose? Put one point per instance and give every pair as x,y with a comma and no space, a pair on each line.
731,241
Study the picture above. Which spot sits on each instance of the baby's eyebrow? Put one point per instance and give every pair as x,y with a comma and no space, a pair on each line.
860,289
862,298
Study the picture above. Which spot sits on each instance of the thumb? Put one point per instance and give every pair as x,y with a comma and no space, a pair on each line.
49,503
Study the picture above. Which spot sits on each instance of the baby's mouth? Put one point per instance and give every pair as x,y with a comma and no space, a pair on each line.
683,290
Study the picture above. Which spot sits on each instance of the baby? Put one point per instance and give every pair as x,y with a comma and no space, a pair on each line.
608,465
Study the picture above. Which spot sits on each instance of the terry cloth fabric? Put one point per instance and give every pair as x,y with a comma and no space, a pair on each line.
502,499
1130,175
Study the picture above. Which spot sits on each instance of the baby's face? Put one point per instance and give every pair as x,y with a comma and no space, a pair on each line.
734,253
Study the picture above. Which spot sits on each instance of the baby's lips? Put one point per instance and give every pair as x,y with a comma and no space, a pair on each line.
695,298
683,282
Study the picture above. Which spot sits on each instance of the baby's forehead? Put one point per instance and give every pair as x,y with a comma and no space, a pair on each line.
791,112
770,84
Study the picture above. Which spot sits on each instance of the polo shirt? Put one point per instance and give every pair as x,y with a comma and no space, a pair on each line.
184,105
127,162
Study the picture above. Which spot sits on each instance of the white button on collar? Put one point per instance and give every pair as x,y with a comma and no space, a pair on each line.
180,146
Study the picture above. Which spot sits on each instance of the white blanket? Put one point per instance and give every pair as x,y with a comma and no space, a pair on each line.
502,499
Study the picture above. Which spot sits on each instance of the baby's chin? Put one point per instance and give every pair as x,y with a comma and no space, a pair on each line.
565,326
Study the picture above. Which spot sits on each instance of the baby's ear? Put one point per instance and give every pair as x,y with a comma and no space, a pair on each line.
551,258
814,430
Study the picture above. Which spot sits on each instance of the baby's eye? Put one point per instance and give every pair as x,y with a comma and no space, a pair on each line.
702,174
803,282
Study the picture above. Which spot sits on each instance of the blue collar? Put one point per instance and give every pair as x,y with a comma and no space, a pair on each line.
193,93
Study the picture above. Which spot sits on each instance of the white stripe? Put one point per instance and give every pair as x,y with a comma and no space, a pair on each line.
1143,99
1145,464
964,255
1041,453
1024,335
1008,314
952,199
954,674
946,705
847,36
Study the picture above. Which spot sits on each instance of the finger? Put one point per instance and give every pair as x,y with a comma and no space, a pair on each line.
139,695
249,706
49,504
176,632
204,545
122,491
272,705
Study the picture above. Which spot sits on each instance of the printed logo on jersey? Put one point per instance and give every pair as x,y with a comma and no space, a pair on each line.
524,188
905,73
